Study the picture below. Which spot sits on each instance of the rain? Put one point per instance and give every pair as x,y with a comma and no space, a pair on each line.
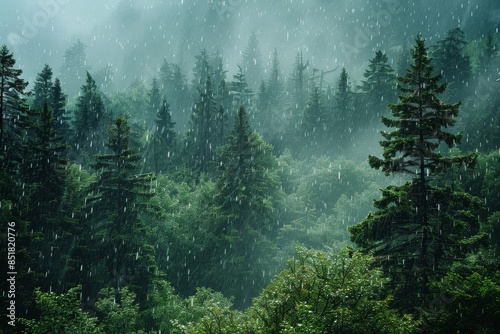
250,166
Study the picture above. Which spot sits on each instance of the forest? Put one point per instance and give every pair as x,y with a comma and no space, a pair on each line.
256,199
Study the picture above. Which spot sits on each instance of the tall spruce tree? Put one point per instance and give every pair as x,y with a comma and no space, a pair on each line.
164,138
58,106
378,87
248,199
420,228
12,100
344,113
89,117
43,171
119,196
252,62
42,90
452,63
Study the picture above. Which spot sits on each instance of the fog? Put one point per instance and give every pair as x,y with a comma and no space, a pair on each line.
139,35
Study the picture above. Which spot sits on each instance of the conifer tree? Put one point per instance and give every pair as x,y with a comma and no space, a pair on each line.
343,106
58,106
316,123
43,171
452,63
164,138
419,227
299,82
12,101
252,62
43,88
89,117
378,86
119,196
242,95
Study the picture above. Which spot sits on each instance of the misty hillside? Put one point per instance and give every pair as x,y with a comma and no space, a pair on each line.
250,166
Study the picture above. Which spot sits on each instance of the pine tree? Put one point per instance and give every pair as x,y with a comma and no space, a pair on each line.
43,171
43,88
452,63
119,196
316,123
58,106
164,138
242,95
252,62
12,101
89,116
155,103
248,199
343,106
420,227
378,86
299,83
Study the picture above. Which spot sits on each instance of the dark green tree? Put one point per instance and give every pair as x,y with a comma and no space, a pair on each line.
452,63
43,171
43,88
58,106
379,86
316,124
12,101
248,199
89,117
343,109
119,197
155,103
203,135
164,138
420,228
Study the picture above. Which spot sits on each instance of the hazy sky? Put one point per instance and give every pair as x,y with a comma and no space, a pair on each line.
137,35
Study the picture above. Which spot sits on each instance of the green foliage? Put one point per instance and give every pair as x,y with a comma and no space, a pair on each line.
465,304
61,314
122,317
321,292
419,227
379,86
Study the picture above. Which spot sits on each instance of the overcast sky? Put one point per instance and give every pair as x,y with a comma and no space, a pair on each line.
139,34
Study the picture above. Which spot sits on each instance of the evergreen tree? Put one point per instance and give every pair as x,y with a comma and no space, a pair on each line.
119,196
343,106
43,88
203,134
275,87
155,103
164,138
488,55
173,87
58,106
420,227
299,83
43,171
404,61
248,199
74,67
252,62
452,63
378,86
316,124
242,95
12,101
89,116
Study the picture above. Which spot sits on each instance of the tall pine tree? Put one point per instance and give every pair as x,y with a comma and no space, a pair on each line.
420,228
